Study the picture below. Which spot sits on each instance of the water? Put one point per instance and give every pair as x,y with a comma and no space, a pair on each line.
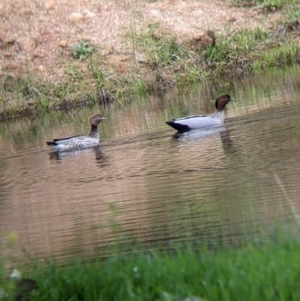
145,183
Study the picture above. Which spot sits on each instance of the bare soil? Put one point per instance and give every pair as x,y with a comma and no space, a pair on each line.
36,36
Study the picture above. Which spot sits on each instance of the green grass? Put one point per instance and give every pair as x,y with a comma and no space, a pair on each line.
278,57
273,5
268,271
267,5
291,22
161,48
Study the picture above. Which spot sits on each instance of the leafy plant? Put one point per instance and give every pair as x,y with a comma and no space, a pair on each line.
83,50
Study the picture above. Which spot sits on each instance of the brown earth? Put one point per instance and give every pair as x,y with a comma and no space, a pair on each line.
36,36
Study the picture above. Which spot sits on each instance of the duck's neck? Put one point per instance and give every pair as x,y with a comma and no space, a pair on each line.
219,114
94,132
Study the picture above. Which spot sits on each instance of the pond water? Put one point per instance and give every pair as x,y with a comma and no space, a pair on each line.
145,183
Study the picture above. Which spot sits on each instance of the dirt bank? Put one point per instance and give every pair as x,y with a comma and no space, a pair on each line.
39,73
36,35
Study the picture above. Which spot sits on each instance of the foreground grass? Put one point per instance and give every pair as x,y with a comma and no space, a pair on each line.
269,271
158,63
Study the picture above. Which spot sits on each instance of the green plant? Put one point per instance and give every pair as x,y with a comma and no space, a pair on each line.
83,50
246,39
219,52
268,5
243,3
74,72
291,21
271,5
280,56
140,87
98,74
160,47
293,15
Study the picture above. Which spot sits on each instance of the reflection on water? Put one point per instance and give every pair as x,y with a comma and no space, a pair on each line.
201,134
146,182
60,156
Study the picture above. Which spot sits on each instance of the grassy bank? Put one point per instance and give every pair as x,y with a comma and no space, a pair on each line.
158,62
268,271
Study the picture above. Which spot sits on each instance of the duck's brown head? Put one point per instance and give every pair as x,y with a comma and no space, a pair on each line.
222,101
96,119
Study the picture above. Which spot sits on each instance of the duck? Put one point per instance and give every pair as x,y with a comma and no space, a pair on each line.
196,122
79,142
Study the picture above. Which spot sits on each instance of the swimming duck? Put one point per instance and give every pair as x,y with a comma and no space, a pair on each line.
201,122
79,142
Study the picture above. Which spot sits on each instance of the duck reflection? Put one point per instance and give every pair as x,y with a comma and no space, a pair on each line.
101,160
196,134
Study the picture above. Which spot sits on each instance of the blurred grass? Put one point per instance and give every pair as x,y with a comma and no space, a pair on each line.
261,271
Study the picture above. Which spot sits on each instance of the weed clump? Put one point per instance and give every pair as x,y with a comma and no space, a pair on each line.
83,50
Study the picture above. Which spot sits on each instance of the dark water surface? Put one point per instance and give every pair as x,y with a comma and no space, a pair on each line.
144,183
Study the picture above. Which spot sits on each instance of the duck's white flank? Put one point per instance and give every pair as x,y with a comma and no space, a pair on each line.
201,122
79,142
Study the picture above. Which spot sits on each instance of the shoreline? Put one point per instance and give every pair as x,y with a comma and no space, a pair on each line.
150,58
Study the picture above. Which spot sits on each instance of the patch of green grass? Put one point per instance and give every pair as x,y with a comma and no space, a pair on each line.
267,5
160,48
291,22
238,43
293,15
246,39
190,74
272,5
220,51
281,56
82,50
266,271
24,95
73,72
244,3
140,88
99,76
